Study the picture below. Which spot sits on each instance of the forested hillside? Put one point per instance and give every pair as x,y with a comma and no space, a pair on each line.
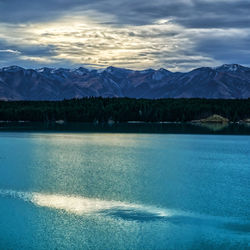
123,110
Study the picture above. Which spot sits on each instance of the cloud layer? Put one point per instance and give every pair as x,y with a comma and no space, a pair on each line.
178,35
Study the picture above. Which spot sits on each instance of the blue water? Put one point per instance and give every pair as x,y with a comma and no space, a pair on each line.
124,191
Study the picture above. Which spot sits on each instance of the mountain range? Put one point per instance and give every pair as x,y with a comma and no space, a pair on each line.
228,81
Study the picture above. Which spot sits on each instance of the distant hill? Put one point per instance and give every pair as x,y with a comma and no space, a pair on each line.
229,81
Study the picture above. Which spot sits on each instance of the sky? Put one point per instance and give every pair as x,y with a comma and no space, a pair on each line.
178,35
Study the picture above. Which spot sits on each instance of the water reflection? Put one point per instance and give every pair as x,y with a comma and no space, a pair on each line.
213,127
127,211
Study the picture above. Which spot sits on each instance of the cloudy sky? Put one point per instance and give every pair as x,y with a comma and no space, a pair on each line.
175,34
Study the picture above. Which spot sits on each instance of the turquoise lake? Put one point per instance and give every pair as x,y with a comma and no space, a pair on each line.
124,191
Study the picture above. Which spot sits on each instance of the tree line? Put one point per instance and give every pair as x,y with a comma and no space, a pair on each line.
98,109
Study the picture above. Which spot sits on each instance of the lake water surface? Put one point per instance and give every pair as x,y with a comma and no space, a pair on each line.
124,191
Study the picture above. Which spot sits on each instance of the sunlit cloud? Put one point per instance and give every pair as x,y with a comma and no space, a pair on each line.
10,51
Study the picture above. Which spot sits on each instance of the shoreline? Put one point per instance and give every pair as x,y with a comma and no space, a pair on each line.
61,122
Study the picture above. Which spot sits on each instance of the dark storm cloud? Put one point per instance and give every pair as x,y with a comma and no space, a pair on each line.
29,50
196,13
11,54
38,50
231,49
20,11
193,13
189,13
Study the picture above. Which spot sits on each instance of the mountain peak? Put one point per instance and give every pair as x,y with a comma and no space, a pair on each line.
117,71
110,69
164,71
13,68
44,70
80,71
229,67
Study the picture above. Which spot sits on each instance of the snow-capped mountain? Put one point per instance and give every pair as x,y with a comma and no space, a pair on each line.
226,81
